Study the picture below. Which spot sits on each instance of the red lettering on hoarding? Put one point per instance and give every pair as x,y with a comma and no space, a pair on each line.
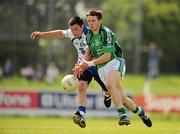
18,99
159,103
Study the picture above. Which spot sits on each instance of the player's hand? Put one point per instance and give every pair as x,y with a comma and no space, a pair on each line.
85,64
77,71
35,34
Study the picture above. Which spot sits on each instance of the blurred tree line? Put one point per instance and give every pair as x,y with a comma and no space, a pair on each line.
135,22
159,22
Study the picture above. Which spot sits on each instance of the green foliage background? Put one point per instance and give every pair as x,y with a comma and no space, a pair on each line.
160,21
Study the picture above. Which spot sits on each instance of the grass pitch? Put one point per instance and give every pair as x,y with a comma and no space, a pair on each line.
59,125
163,85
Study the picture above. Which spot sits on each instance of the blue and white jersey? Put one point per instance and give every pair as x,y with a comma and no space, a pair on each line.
79,43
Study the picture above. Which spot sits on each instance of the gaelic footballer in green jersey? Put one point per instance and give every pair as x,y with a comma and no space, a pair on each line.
104,42
107,55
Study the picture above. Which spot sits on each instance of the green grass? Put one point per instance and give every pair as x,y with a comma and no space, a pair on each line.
57,125
21,83
132,83
165,85
162,85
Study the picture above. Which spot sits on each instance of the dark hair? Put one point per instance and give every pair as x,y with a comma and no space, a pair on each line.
75,20
95,12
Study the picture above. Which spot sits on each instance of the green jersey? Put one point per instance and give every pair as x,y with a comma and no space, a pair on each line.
104,42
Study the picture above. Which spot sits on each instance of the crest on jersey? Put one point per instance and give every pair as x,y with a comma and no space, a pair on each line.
109,40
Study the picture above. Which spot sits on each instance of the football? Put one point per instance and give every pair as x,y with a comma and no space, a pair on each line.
70,83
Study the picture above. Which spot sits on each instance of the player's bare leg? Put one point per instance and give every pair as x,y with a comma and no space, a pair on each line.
129,104
79,116
107,97
111,82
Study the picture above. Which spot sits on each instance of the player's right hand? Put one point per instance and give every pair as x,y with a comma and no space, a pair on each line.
78,71
35,34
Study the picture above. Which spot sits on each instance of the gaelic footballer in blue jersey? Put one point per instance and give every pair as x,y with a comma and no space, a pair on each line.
77,34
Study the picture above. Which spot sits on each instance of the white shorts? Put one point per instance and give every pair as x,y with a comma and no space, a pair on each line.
115,64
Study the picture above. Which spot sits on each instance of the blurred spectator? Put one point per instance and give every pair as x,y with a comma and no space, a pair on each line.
8,68
1,72
52,73
39,72
153,61
28,72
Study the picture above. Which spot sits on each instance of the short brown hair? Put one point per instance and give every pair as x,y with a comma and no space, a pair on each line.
95,12
75,20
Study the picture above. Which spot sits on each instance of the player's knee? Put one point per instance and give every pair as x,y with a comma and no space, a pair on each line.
82,87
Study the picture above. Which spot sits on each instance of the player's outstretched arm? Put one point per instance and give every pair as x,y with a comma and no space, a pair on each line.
48,34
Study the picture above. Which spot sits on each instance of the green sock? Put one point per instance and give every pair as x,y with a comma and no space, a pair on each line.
139,111
122,112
